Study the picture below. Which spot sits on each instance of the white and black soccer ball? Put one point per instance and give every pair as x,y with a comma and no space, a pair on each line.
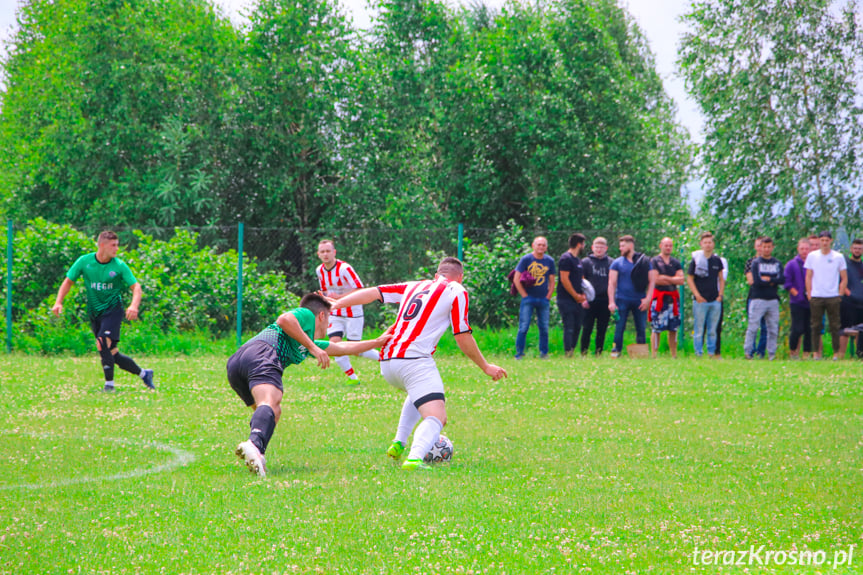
441,451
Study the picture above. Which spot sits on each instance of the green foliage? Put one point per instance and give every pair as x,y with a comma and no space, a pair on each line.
778,84
42,254
113,111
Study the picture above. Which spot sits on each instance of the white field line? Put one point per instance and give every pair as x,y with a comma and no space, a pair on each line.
181,458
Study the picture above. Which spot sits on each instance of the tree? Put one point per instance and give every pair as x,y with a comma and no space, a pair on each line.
560,121
778,85
112,111
285,114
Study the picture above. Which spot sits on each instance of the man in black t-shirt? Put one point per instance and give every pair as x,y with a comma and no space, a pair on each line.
851,310
760,347
664,312
595,267
767,275
707,285
570,294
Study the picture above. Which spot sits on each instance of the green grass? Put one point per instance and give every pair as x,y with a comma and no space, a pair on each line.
584,466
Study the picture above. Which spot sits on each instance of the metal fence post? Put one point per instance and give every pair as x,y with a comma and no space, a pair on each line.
9,236
461,242
240,284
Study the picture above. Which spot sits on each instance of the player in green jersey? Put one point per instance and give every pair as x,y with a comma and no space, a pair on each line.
106,277
255,370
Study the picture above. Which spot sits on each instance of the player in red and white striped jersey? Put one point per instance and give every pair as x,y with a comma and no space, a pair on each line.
427,309
337,279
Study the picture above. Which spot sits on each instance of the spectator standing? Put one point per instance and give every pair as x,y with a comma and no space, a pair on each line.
664,312
795,285
721,311
631,280
596,267
535,298
826,279
570,293
814,246
760,347
763,305
707,283
851,310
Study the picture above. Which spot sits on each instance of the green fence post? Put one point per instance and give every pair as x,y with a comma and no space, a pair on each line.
461,242
9,236
240,284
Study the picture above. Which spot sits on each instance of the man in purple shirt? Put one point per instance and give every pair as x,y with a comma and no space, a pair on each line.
795,284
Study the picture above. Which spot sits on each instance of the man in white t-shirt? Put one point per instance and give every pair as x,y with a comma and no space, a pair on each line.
337,279
826,279
427,308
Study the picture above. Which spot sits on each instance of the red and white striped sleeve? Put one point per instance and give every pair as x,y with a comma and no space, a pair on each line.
392,293
458,314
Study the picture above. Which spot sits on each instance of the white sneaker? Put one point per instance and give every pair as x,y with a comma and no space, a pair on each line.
254,459
615,354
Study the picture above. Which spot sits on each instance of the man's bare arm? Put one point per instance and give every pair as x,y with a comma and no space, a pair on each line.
61,295
358,297
467,345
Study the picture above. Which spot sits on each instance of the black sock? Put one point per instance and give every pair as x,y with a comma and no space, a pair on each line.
107,363
263,424
126,363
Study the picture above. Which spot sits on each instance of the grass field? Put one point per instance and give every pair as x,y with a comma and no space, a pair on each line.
586,466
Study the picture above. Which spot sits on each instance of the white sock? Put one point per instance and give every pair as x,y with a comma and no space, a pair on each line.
109,383
373,354
425,436
344,362
407,421
143,371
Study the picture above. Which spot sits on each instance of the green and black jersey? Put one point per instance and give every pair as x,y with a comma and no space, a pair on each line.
105,283
289,350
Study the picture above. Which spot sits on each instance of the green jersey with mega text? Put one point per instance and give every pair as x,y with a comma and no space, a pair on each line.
105,283
290,351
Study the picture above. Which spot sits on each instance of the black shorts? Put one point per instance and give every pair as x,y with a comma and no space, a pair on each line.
254,363
108,325
850,313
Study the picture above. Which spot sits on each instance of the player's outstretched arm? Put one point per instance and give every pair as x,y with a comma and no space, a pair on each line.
358,297
132,310
357,347
467,345
291,326
61,295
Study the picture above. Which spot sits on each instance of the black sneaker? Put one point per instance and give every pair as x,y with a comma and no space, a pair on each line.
147,376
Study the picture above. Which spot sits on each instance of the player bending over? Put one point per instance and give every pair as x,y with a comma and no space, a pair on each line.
255,370
106,277
337,279
426,309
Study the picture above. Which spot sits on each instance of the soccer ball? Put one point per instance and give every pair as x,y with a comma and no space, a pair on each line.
441,451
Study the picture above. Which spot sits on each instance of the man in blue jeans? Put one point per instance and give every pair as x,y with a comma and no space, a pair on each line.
631,279
535,298
707,284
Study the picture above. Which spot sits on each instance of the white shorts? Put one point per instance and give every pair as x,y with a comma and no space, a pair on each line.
419,377
350,328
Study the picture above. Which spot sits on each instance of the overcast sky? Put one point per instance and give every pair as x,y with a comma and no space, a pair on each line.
657,18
